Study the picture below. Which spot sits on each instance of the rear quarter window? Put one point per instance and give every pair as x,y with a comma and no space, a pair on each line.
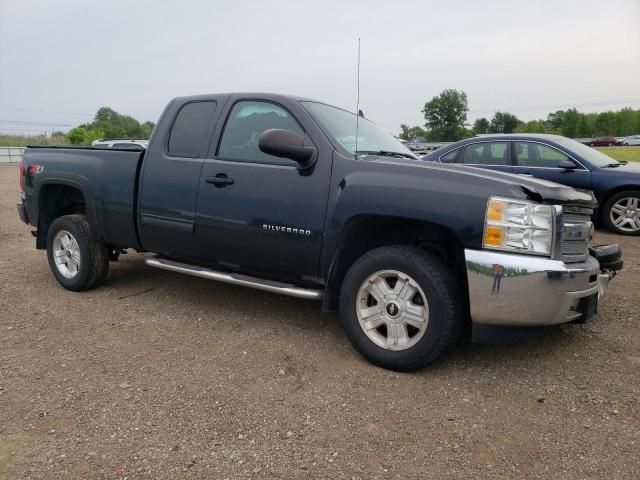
190,129
451,157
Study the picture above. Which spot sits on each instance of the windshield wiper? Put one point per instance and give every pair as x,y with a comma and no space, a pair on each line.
613,165
385,153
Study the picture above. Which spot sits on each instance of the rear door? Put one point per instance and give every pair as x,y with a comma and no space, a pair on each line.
170,177
541,160
492,155
257,213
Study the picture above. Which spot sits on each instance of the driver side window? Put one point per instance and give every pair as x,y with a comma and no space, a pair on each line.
246,122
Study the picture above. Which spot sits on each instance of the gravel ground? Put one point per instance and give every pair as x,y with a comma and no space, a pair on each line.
158,375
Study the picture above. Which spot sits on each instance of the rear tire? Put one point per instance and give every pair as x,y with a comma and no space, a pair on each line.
77,260
401,307
621,213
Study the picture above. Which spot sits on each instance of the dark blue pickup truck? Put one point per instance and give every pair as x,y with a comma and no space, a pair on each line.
297,197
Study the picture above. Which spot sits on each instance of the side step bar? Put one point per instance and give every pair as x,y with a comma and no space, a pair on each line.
234,278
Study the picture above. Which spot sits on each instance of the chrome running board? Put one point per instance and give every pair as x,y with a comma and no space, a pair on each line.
233,278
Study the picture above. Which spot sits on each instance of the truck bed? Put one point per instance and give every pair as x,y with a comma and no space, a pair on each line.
106,177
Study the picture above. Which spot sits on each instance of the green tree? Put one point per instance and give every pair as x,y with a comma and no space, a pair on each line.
116,125
555,119
108,123
445,116
605,124
570,123
412,133
626,121
147,129
533,126
76,135
480,126
503,122
84,136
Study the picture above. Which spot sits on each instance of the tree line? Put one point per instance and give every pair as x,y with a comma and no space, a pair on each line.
446,121
108,123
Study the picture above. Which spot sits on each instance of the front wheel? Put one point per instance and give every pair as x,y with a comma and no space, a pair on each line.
621,213
401,307
77,260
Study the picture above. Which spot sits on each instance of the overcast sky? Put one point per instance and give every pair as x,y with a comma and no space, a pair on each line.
60,61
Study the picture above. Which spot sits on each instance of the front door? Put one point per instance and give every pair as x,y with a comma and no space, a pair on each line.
541,161
257,213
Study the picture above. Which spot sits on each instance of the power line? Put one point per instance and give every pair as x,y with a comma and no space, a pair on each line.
17,122
45,112
556,106
2,129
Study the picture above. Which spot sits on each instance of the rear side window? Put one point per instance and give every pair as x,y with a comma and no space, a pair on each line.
190,129
451,157
486,153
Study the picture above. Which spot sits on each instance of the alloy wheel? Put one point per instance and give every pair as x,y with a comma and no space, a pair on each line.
392,310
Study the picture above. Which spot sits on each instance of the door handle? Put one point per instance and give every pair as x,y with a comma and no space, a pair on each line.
220,180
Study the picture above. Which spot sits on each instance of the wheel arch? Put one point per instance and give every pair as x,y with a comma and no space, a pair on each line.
610,193
57,197
366,232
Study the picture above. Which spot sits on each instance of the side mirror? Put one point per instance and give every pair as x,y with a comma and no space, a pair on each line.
567,165
286,144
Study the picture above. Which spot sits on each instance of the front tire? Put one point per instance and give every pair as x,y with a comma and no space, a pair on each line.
621,213
77,260
401,307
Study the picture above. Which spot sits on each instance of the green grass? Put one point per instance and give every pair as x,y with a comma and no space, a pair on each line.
24,140
631,154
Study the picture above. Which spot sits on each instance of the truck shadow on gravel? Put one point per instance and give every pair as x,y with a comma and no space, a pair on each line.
248,308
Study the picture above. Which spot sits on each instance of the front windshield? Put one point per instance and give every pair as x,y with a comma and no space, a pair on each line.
341,126
590,154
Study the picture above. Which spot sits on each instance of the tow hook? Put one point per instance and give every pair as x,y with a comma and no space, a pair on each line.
604,277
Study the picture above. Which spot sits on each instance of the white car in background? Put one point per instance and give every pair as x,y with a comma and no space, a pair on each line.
632,140
127,143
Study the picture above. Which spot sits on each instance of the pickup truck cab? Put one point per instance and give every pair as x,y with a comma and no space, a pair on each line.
298,197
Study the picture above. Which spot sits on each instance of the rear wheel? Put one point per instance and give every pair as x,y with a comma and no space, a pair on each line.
77,260
401,307
621,213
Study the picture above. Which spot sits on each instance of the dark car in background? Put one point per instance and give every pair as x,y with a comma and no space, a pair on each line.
615,184
602,142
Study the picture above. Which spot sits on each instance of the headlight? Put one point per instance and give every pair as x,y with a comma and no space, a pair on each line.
518,226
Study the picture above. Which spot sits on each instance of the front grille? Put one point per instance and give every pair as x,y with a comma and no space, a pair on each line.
575,235
572,217
574,247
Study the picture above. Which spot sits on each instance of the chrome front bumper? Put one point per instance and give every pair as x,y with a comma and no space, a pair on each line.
511,289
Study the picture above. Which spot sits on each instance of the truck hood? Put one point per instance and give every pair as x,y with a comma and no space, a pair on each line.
532,188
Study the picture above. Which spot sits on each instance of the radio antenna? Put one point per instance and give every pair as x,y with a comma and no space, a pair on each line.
358,100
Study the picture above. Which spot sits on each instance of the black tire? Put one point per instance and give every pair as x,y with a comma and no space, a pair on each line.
606,211
444,298
592,144
94,258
